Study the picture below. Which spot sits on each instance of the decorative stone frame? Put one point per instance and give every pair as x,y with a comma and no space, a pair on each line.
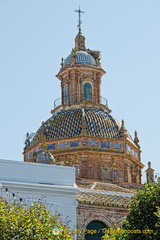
101,218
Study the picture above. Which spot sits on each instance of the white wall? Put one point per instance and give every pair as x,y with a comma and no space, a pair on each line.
53,184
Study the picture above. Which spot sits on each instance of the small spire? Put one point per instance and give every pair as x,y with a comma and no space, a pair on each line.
123,130
149,164
122,123
136,140
73,56
27,142
62,62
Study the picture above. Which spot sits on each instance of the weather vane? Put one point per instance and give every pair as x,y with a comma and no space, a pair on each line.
79,11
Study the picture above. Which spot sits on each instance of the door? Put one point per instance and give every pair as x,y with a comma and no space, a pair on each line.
95,230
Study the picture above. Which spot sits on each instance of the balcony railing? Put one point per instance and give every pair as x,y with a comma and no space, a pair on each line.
73,99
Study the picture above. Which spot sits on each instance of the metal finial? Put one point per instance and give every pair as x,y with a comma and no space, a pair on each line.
79,11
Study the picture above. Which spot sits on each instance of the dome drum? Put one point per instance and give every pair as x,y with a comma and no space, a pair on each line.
84,101
82,143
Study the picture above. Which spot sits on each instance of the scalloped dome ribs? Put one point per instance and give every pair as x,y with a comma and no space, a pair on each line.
81,57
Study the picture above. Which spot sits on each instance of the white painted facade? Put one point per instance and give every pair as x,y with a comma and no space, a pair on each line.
55,185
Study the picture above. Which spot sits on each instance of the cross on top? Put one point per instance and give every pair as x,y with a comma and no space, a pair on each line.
79,11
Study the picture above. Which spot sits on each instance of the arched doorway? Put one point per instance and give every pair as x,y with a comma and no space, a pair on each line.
95,231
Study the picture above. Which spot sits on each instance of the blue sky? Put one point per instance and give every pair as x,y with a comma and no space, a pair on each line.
36,34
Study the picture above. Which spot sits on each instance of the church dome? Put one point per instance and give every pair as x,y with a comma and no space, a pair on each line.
68,123
80,58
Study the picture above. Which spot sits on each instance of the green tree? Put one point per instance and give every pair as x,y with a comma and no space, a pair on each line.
142,213
114,233
30,223
143,220
158,222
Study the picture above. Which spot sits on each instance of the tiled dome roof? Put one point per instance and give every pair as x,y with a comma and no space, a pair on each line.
81,57
99,123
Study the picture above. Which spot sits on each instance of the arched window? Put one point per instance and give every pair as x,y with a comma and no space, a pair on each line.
87,90
66,93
